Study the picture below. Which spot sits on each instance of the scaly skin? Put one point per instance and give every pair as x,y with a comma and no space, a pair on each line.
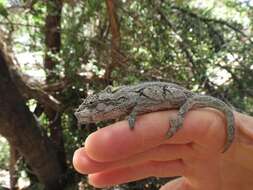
150,97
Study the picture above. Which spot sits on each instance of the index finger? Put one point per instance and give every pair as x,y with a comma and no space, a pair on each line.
202,127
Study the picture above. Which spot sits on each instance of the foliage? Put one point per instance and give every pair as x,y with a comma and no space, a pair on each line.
3,11
4,156
186,42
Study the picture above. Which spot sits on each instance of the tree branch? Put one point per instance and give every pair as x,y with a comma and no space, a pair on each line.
30,87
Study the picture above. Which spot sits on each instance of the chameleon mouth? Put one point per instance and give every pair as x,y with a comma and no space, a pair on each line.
83,117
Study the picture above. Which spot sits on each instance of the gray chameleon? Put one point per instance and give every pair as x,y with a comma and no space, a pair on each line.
148,97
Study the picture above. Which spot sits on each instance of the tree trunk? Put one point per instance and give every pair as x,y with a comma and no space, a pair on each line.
52,37
12,167
53,45
20,128
115,38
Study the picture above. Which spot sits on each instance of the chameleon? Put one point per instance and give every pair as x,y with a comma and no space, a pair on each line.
146,97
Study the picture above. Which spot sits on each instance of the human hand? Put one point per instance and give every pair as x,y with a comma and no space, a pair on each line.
116,154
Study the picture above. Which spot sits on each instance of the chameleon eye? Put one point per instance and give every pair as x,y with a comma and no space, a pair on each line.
90,100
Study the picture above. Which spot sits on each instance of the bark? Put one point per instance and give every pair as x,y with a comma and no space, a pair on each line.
20,128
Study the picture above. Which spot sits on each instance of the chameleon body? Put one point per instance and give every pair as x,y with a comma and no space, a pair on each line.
149,97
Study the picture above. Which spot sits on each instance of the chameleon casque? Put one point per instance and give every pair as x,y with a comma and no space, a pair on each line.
149,97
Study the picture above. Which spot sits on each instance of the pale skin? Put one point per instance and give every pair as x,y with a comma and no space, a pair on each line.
115,154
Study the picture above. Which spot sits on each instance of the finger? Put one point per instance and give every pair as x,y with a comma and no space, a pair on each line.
204,127
184,183
84,164
177,184
133,173
117,141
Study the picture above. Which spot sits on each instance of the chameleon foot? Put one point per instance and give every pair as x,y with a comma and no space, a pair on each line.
199,101
132,119
175,125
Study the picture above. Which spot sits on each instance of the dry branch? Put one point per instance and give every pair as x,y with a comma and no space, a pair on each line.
29,87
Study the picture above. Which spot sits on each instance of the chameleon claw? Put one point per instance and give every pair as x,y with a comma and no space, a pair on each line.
131,120
175,125
169,134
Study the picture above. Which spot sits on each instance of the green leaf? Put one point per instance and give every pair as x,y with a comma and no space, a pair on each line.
3,10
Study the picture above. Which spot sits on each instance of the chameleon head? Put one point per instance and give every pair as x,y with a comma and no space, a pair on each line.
84,112
101,106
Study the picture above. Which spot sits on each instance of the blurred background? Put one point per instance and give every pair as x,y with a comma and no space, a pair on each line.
53,53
